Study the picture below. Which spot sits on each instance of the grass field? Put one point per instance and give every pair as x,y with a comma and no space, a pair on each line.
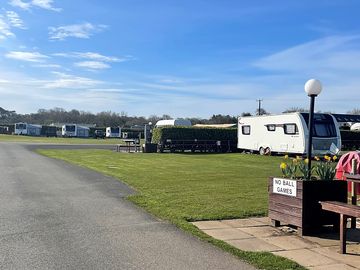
185,187
60,140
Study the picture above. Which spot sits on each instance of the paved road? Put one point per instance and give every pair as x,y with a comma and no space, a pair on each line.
57,216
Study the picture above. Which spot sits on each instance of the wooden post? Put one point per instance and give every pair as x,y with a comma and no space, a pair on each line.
343,221
353,191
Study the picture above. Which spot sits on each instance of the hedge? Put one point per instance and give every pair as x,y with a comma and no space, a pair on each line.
192,133
350,140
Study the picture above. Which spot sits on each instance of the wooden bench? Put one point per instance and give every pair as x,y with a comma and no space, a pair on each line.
345,210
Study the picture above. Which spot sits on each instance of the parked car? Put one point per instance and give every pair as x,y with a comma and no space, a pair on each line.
99,134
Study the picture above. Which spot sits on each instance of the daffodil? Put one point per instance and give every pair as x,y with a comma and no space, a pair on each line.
334,158
283,165
316,158
327,158
294,160
286,157
306,161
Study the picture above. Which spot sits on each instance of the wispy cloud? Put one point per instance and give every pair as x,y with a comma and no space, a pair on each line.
95,61
69,81
47,66
330,53
94,56
26,56
92,65
15,20
5,31
84,30
45,4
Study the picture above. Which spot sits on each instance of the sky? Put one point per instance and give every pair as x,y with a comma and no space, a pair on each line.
188,58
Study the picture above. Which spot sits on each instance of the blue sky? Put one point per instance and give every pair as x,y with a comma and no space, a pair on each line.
182,58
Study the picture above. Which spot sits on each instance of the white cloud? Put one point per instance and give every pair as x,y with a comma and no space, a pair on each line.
14,19
70,82
330,53
47,66
20,4
26,56
92,65
5,31
84,30
93,56
45,4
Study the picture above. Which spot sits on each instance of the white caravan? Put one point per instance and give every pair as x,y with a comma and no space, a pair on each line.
113,132
27,129
288,133
73,130
173,122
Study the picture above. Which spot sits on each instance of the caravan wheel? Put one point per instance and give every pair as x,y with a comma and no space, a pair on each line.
268,151
262,151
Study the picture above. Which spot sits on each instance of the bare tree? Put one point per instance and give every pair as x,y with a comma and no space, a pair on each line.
354,111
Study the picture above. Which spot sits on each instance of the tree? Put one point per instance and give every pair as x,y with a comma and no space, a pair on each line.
295,109
354,111
262,112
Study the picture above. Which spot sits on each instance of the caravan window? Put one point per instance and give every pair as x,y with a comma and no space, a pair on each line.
271,127
290,129
245,130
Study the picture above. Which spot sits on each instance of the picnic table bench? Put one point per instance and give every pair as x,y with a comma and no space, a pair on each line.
346,211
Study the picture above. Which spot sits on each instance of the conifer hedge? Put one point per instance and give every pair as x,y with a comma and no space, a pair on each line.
193,133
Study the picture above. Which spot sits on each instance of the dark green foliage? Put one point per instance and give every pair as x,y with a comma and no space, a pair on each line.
192,133
350,140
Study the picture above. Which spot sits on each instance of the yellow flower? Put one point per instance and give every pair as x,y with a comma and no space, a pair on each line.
286,157
294,161
316,158
283,165
306,160
334,158
298,157
327,158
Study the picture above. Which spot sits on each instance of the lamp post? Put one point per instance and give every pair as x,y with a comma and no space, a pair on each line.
312,88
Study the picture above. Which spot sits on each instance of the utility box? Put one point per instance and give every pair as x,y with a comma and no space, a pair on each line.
149,148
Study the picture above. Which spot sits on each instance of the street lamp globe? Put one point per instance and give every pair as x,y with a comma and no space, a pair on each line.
313,87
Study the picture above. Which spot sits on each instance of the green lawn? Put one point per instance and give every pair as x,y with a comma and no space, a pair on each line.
18,138
188,187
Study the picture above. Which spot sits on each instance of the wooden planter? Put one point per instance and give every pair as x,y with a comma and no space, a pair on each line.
296,203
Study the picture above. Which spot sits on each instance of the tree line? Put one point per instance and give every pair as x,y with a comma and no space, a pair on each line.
59,116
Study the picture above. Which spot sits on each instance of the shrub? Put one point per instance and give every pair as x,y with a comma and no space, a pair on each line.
194,133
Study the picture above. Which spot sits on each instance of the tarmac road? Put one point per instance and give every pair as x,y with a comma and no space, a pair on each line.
54,215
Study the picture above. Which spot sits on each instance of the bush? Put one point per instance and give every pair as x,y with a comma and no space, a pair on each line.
350,139
192,133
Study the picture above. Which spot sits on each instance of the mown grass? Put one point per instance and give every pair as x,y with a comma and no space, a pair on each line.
58,140
183,187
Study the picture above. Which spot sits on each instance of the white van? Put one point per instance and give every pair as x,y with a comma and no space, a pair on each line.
288,133
113,132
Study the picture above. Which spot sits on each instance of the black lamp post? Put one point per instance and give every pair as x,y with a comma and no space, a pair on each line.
312,88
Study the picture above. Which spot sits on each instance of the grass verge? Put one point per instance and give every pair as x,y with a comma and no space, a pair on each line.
184,187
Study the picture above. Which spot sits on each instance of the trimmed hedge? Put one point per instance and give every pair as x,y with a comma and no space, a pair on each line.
191,133
350,140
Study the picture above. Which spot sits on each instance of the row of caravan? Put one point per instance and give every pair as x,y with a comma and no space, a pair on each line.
67,130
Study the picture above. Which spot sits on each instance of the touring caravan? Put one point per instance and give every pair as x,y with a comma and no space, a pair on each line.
27,129
173,122
113,132
73,130
288,133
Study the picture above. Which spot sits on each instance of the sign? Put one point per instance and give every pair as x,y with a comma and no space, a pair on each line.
284,187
